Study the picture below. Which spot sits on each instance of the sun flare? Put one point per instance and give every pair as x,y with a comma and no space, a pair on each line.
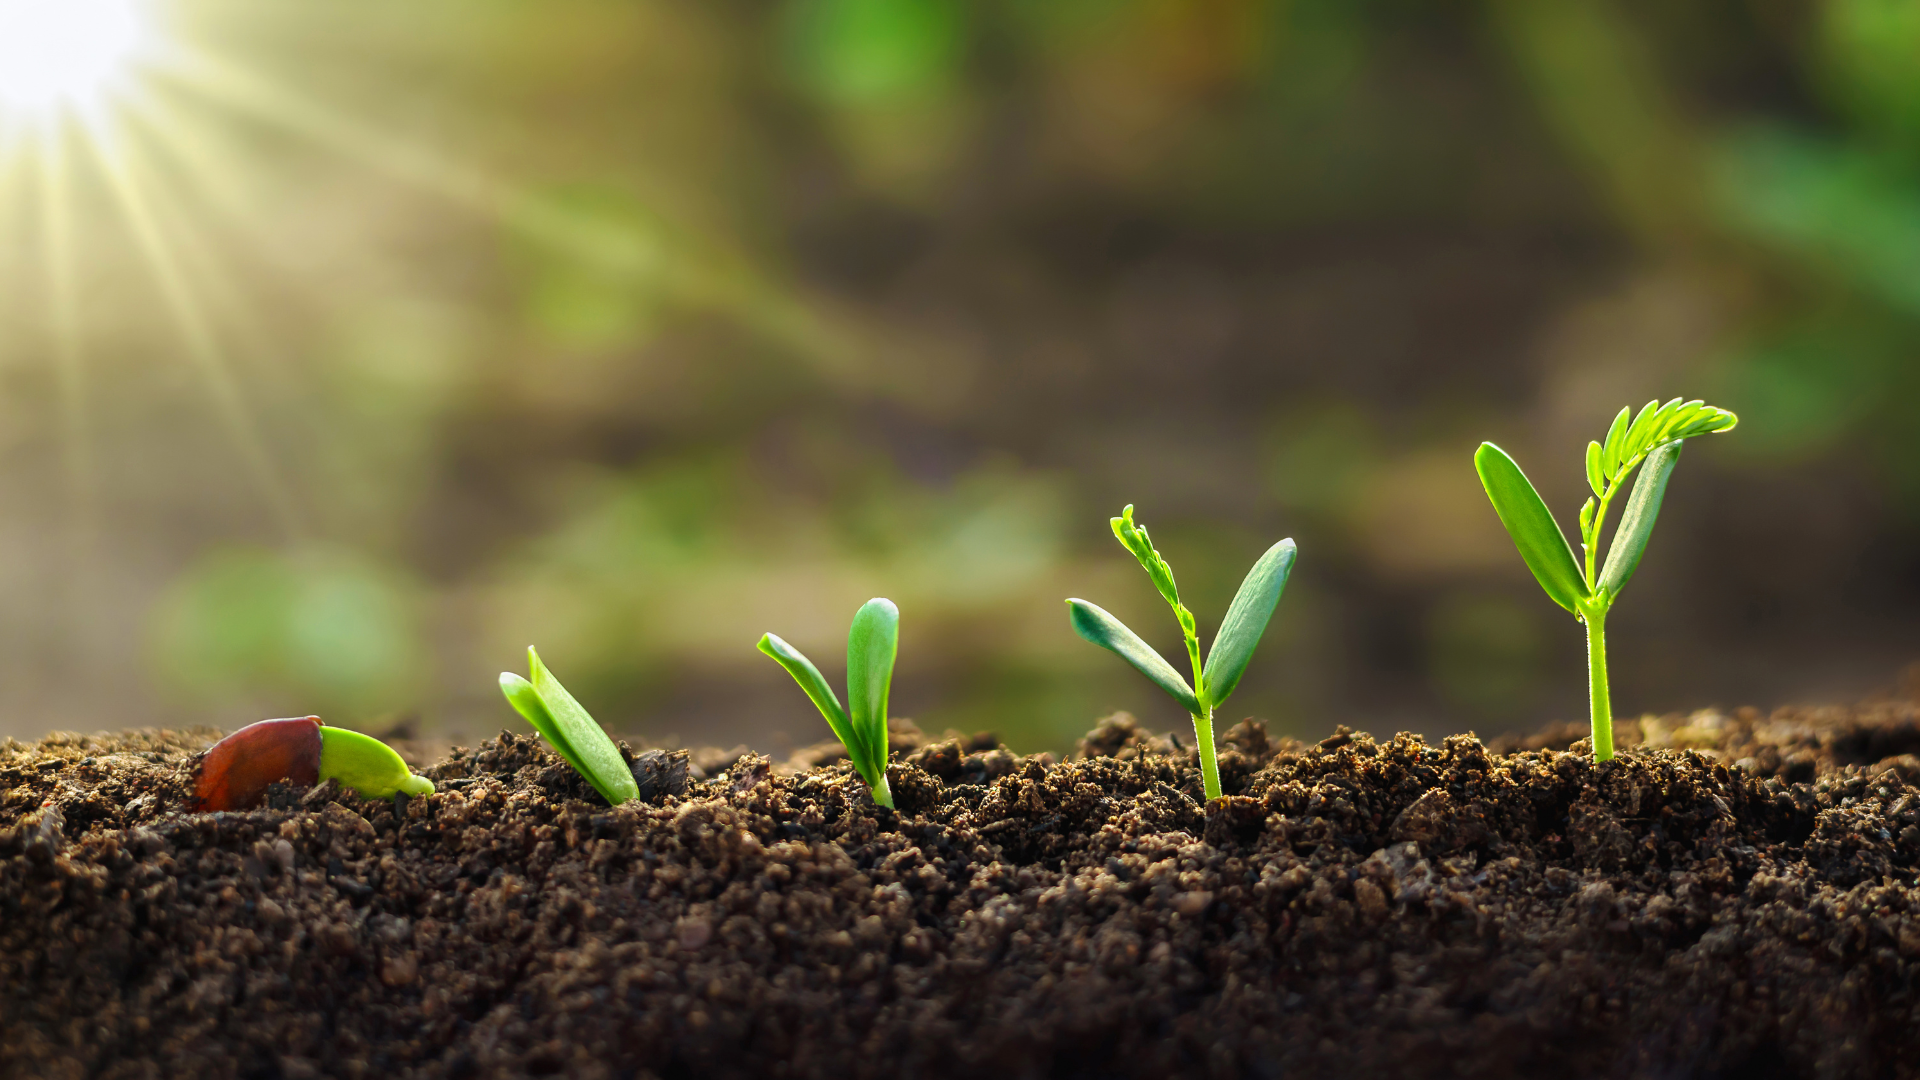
58,55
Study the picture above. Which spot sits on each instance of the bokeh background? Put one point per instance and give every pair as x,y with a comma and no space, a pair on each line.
348,347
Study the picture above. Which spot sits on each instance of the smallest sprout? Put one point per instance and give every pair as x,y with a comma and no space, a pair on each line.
235,772
872,643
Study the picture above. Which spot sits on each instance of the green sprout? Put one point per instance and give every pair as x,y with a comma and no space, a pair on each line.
236,772
367,765
1652,437
872,642
568,728
1232,648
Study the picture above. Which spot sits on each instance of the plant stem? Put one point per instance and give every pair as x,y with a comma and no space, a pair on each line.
1596,620
1209,767
882,793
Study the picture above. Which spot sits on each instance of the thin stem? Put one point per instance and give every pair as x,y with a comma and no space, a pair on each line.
1596,620
1591,543
1209,768
1199,674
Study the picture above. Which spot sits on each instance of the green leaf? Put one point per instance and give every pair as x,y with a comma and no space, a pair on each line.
1656,428
1636,523
1616,438
526,701
1093,623
597,758
1531,524
872,642
1136,540
1595,478
1636,432
367,765
1246,621
816,688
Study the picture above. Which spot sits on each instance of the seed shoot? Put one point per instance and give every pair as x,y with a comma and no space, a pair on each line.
235,772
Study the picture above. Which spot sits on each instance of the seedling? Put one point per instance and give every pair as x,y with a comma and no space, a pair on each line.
568,728
235,772
1653,438
1232,647
872,642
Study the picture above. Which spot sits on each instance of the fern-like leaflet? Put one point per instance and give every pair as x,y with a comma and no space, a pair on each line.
1630,440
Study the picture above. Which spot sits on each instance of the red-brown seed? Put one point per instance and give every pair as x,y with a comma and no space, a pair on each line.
235,772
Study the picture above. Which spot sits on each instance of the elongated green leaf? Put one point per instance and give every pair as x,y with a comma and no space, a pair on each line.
1595,478
872,643
1636,523
1531,524
1093,623
816,688
1246,621
526,701
1616,438
599,759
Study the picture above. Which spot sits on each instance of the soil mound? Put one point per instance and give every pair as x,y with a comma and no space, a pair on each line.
1734,896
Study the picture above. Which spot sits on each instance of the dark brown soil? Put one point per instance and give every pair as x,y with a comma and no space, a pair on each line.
1734,896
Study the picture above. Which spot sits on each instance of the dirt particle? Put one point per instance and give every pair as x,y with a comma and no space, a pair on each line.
346,821
693,933
1192,904
399,970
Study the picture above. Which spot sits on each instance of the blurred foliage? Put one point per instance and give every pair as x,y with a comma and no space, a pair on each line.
636,328
315,631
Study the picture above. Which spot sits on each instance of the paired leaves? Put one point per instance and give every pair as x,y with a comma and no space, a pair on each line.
873,642
570,730
1652,437
1233,646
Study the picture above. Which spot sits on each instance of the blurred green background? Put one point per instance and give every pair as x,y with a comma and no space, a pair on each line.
347,348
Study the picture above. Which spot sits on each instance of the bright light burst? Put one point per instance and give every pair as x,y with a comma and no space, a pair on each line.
57,55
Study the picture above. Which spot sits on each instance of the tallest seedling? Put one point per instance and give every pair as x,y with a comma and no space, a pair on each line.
1652,439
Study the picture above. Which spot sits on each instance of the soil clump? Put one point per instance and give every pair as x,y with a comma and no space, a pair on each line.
1734,896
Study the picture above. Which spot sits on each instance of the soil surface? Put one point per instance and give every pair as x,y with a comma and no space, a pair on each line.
1733,897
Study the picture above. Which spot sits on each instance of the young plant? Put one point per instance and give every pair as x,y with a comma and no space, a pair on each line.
568,728
235,772
872,642
1652,438
1232,647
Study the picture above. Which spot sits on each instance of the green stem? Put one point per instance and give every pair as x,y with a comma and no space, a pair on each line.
1209,768
1596,621
1590,542
882,793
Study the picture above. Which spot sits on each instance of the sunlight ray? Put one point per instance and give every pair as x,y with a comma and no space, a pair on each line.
63,316
698,274
197,335
186,186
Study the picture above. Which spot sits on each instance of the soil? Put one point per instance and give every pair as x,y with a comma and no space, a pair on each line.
1734,896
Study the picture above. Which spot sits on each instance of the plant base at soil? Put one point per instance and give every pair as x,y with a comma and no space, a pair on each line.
1353,908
